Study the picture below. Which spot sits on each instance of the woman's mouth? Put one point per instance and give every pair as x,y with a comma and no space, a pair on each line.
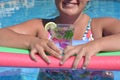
70,4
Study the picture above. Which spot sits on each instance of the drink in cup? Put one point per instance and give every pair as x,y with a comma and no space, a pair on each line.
61,34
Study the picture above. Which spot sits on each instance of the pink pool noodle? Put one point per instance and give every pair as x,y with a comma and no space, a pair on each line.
23,60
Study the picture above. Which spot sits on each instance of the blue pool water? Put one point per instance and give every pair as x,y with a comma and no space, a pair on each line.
19,12
104,8
11,15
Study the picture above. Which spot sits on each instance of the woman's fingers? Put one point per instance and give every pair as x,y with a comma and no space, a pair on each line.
86,61
88,57
66,56
32,54
53,53
54,47
40,46
78,59
43,55
39,51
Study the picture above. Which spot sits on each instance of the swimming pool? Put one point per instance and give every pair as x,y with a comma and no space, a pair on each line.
15,11
11,15
19,12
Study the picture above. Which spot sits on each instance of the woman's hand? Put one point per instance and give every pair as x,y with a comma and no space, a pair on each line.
85,50
40,46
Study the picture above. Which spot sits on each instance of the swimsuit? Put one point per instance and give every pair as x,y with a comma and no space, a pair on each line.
88,34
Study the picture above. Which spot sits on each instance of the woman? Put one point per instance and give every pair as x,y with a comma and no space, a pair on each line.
71,12
31,35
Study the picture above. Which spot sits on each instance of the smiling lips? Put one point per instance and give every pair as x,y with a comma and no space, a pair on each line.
70,4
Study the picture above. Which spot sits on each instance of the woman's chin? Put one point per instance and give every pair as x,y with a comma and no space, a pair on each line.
71,13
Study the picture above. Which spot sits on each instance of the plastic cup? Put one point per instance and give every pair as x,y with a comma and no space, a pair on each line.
62,35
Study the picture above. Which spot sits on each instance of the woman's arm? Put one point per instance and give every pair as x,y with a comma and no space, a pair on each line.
29,35
101,43
105,26
32,27
12,39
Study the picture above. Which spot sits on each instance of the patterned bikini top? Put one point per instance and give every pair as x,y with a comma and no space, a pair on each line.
87,36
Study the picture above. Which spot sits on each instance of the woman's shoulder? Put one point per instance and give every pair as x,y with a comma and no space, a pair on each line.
103,21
